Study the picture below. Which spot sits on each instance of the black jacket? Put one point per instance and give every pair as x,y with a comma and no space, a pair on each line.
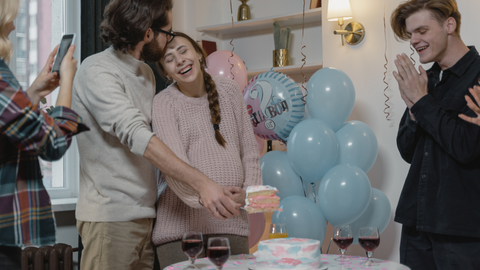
442,191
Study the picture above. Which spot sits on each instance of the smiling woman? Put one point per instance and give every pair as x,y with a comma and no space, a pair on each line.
204,121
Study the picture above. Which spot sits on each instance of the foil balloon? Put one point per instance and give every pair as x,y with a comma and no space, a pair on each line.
274,103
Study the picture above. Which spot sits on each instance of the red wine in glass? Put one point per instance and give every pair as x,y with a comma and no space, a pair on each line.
218,255
218,251
192,247
369,243
369,239
343,238
343,242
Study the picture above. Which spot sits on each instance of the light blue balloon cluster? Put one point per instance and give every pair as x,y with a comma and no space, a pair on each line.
325,149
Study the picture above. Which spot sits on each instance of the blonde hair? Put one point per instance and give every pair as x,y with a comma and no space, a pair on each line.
8,13
440,10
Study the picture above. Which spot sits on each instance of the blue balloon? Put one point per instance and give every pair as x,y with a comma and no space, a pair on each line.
357,145
331,96
277,172
344,194
376,215
302,217
312,149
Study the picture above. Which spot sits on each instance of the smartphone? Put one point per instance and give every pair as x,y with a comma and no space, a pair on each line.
65,43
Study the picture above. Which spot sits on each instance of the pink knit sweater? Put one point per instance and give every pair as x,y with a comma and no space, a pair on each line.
183,124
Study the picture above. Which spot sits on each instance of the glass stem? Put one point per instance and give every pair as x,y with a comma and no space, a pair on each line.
192,260
343,252
369,255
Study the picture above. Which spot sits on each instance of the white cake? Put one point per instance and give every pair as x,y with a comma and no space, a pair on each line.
261,199
288,253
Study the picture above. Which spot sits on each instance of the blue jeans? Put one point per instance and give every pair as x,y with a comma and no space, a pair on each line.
429,251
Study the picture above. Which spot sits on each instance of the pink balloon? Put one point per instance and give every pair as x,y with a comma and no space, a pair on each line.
260,143
218,65
257,226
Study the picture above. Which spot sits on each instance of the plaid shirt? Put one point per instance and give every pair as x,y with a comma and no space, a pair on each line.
26,133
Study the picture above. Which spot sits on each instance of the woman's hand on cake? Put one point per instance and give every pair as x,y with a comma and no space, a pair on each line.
217,202
239,195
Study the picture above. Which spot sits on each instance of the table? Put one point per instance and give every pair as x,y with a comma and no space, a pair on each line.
247,262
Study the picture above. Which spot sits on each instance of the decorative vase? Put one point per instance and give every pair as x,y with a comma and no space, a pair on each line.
280,58
244,11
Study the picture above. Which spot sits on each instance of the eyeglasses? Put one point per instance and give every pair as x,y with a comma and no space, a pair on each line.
170,34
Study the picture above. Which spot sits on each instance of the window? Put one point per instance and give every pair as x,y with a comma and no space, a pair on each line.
39,27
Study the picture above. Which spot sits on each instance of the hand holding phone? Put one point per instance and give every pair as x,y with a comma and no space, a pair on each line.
65,43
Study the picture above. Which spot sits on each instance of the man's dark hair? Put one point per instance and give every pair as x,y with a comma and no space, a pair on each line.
440,10
126,21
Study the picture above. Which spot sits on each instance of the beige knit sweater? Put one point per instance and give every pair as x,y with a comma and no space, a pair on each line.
183,124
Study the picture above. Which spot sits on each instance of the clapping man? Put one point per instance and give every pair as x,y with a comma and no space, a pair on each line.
439,203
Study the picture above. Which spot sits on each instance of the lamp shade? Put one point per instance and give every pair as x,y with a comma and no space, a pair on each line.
339,9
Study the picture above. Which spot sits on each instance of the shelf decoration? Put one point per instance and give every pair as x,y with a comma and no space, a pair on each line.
315,4
244,11
281,38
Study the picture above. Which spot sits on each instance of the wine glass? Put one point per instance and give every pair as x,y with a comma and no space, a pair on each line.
343,238
369,239
278,230
192,245
218,251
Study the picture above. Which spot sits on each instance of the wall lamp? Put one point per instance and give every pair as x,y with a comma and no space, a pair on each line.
340,10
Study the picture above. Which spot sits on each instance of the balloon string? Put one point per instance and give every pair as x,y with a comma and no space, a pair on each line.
387,107
304,59
231,43
313,192
304,191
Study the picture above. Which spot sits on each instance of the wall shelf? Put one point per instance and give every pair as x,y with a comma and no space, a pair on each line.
288,70
311,15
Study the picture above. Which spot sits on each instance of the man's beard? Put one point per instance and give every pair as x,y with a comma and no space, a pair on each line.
151,51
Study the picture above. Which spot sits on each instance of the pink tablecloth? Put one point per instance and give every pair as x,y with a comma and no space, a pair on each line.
246,262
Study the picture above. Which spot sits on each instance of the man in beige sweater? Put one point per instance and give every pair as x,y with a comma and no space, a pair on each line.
113,91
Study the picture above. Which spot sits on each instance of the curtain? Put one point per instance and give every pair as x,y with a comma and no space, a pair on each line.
91,17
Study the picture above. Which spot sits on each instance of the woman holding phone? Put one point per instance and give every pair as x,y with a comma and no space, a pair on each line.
27,133
205,122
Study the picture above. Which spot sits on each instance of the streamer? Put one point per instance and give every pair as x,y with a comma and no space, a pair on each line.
387,107
411,55
304,59
231,43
